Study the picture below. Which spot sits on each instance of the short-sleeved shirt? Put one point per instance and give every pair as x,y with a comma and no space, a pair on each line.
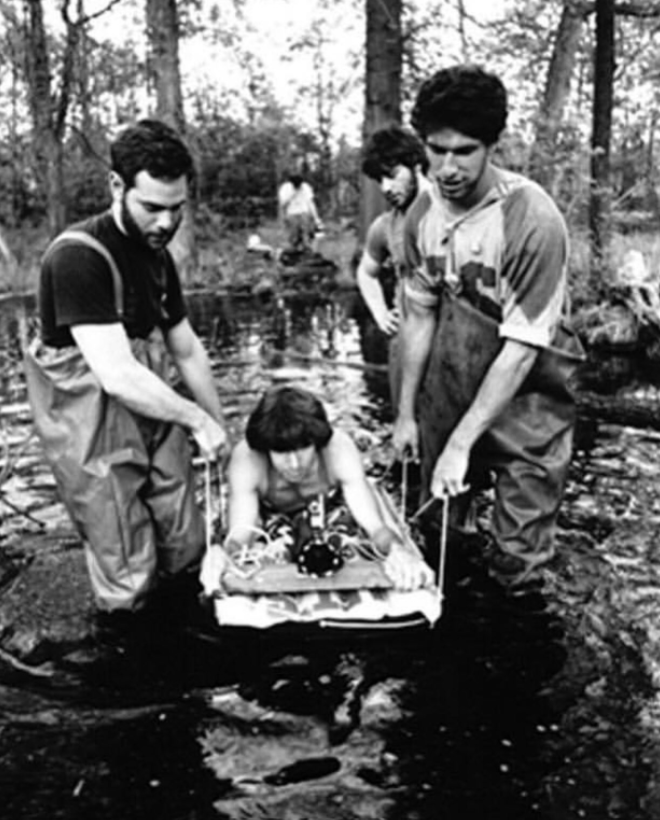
298,200
507,256
76,286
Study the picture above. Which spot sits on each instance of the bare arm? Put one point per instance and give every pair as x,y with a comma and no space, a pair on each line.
417,333
500,384
194,367
244,474
283,196
312,207
107,351
345,462
406,570
372,293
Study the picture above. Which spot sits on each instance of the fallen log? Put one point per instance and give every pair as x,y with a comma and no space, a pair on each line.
624,411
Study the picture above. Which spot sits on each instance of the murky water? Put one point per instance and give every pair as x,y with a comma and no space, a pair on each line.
476,718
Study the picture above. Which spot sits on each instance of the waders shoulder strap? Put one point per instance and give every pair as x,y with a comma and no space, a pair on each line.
73,237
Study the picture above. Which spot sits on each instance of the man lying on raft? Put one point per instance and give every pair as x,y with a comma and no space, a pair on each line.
289,459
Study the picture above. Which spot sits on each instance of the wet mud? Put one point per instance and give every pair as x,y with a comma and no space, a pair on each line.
542,706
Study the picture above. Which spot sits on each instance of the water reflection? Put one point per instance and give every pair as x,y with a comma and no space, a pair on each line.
16,320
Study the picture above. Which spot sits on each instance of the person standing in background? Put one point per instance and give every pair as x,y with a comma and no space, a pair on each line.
297,212
395,159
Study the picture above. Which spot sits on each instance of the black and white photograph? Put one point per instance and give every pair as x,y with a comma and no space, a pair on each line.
329,410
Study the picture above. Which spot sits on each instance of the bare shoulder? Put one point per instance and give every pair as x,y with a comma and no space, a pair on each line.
341,440
247,466
342,455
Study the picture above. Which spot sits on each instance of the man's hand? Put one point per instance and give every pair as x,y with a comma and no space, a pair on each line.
214,566
388,322
450,471
405,438
210,436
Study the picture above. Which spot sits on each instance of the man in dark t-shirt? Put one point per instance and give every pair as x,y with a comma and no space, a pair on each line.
76,288
115,432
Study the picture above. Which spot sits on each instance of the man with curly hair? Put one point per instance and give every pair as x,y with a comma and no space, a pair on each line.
486,351
395,158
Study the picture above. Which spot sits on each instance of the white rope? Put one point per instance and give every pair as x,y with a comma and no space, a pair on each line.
443,544
207,503
249,560
404,487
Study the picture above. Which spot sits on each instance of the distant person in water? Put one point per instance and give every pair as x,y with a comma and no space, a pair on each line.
289,457
298,214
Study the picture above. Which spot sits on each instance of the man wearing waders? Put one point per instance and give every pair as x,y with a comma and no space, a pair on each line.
486,352
395,159
114,431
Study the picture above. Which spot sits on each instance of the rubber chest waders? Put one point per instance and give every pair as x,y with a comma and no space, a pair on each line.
528,448
125,480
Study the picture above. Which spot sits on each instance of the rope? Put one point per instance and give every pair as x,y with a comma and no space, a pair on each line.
443,545
404,487
423,508
250,559
207,503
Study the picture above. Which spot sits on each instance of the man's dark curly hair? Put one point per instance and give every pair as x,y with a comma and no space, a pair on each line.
465,98
285,419
391,146
152,146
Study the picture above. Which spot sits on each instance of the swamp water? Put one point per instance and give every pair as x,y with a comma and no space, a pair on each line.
504,710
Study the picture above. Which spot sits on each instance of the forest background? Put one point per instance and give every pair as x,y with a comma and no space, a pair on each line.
259,87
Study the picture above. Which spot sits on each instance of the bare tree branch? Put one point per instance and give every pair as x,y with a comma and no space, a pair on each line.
82,20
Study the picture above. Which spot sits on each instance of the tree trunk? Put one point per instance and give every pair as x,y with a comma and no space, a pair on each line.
164,71
48,109
600,200
465,47
557,88
384,50
617,410
42,108
165,75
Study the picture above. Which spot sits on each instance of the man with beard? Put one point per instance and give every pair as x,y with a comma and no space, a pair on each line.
114,431
486,351
395,159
